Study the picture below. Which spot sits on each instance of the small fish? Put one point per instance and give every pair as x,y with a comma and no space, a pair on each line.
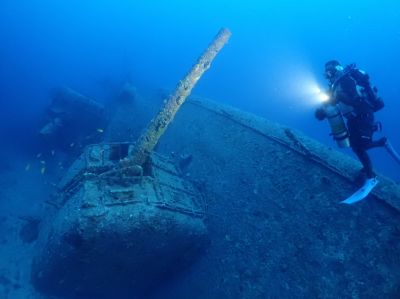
72,144
39,155
43,170
28,167
43,162
53,152
100,130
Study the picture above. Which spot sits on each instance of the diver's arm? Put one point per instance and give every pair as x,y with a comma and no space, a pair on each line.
320,113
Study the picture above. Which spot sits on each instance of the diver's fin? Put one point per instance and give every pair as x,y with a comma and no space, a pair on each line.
362,193
392,152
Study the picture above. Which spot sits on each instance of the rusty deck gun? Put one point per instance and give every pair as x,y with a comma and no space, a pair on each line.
124,218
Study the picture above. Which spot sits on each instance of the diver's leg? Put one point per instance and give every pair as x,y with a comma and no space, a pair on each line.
377,143
360,138
392,152
366,127
366,162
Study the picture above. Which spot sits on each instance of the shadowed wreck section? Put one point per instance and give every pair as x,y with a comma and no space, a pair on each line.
274,219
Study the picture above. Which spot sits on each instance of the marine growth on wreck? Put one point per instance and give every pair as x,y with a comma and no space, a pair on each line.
134,192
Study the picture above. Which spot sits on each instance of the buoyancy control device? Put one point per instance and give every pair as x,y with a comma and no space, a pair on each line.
367,92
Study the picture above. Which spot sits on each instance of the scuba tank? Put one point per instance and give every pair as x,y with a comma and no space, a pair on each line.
338,127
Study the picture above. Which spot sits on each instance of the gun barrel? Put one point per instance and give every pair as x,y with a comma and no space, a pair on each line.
149,139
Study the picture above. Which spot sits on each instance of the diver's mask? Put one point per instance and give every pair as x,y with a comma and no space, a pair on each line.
331,71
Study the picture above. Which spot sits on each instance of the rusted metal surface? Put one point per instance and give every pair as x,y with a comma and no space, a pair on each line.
159,124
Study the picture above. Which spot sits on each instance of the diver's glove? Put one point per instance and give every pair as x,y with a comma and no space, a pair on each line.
320,114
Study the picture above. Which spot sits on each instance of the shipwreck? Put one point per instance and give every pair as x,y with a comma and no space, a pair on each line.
254,213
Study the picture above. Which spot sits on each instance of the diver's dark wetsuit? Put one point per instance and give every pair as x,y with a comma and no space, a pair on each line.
360,121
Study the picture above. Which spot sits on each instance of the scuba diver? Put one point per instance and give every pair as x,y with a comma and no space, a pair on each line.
351,96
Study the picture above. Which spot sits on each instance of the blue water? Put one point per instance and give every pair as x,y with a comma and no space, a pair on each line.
275,56
271,66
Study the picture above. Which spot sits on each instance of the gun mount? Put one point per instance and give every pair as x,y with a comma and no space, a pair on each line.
125,218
